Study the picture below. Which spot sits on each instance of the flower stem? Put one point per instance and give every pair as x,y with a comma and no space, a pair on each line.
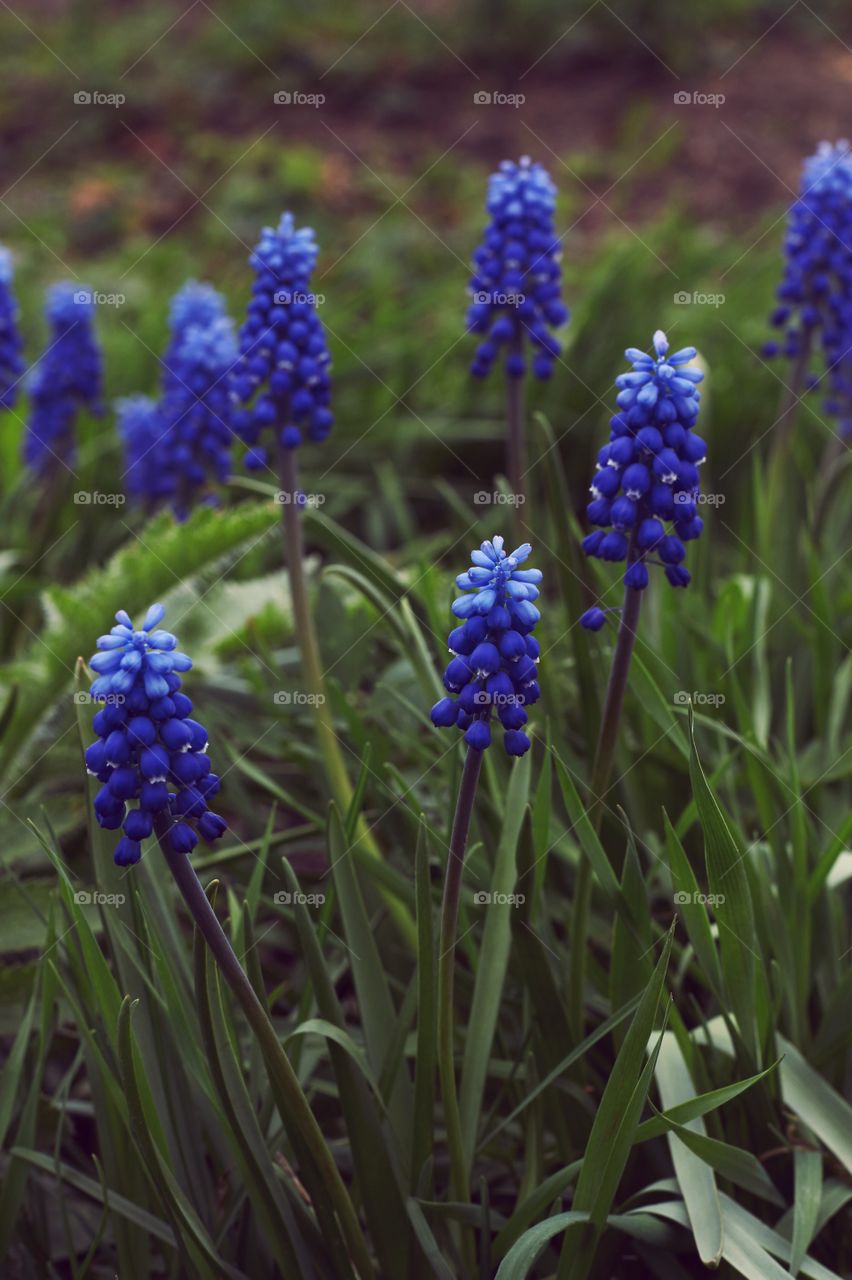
306,638
446,971
516,449
601,771
296,1114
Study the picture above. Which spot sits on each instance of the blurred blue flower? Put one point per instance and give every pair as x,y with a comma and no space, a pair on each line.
815,294
176,450
494,651
11,364
516,291
282,380
148,749
648,473
66,378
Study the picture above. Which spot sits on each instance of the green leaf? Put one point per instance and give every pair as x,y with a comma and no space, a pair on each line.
739,1166
425,1067
493,960
729,884
807,1166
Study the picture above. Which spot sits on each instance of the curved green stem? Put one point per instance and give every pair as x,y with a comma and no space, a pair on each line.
320,1171
446,971
516,445
306,638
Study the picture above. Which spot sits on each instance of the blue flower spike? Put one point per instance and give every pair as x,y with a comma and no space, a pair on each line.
495,655
282,382
150,755
66,379
815,293
11,343
516,287
647,475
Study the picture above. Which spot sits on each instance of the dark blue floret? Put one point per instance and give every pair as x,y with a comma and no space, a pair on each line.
648,473
282,381
149,753
493,668
516,286
66,379
11,363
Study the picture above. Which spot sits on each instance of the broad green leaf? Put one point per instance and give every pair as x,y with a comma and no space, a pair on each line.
807,1195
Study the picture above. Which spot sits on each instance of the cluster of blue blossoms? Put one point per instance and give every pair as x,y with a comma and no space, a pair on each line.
282,380
66,379
815,294
177,448
11,364
516,288
148,748
648,473
493,667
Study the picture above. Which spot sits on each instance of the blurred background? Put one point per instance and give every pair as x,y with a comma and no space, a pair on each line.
145,144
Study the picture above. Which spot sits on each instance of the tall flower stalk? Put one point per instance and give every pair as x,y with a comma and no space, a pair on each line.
150,755
647,478
492,674
516,294
282,384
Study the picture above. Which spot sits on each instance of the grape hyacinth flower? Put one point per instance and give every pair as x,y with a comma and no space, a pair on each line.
66,378
141,428
816,291
11,363
282,379
150,754
196,304
516,293
493,667
196,411
515,288
647,475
